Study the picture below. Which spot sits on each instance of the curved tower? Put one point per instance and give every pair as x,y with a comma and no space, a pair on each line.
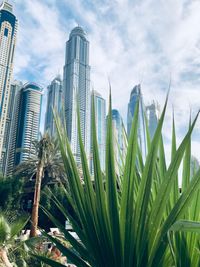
28,120
76,89
8,30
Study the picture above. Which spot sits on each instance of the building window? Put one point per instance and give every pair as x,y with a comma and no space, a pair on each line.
6,32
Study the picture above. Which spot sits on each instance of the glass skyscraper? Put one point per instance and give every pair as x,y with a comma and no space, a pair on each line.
135,96
8,30
11,128
54,102
28,120
100,119
76,89
119,140
152,112
194,166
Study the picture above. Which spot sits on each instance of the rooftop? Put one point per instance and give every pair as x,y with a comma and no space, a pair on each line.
6,6
136,90
32,86
78,31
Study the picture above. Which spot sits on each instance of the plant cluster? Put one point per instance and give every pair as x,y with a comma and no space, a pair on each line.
131,221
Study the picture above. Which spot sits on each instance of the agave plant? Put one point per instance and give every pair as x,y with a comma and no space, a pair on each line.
126,225
185,243
184,235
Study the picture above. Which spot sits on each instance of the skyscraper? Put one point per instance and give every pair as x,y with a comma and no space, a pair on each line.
152,112
54,102
11,128
100,119
194,166
28,120
8,30
119,140
76,89
135,96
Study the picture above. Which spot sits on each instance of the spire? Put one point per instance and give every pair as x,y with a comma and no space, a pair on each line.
2,4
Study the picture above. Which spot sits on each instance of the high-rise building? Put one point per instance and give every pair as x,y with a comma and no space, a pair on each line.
11,127
28,120
100,119
76,89
119,140
54,102
8,30
194,166
152,112
136,95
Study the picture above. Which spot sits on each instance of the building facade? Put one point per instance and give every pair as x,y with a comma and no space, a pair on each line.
11,127
152,112
54,102
119,140
100,120
136,96
76,89
28,121
8,31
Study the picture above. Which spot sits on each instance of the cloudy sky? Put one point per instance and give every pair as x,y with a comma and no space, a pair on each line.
138,41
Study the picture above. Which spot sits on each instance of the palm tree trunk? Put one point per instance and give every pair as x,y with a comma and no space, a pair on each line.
34,215
4,258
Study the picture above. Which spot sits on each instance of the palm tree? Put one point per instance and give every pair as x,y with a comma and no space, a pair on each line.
53,166
44,164
8,232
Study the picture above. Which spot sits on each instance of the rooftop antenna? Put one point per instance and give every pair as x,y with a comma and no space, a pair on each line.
2,4
58,73
141,77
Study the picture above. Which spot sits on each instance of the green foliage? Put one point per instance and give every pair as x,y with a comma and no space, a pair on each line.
184,243
47,201
5,230
9,230
47,149
184,235
44,165
126,225
11,192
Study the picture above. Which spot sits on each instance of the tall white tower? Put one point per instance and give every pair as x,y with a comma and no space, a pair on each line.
8,30
152,112
9,141
76,88
54,102
100,120
119,141
136,96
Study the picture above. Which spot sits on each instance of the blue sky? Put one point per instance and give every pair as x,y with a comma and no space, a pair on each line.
134,41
